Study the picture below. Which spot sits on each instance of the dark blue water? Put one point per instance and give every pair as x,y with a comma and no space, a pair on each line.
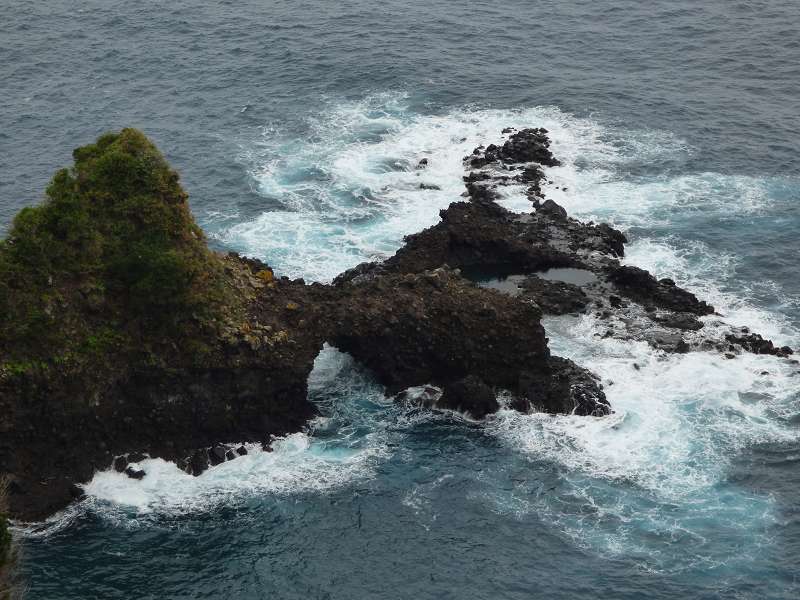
296,126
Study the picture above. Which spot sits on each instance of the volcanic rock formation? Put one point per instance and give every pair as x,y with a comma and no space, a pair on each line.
123,336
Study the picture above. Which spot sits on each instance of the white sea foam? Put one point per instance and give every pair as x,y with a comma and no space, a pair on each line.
297,464
656,470
350,190
678,421
329,455
650,480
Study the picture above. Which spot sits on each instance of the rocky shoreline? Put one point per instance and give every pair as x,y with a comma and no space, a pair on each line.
449,321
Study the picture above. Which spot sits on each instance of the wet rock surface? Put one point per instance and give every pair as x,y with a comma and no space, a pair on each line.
470,395
438,327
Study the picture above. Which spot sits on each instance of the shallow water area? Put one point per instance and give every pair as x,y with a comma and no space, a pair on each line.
512,284
577,277
508,284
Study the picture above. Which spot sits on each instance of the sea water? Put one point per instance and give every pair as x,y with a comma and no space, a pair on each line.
297,128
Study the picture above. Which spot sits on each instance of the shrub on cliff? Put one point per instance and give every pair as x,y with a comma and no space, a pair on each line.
110,259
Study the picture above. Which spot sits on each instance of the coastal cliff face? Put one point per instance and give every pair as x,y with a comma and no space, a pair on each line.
125,336
123,333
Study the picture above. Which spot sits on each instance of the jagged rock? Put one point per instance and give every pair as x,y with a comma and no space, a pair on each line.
436,327
413,319
554,297
135,473
487,236
480,193
474,176
198,462
528,145
756,344
565,388
553,209
216,454
637,284
679,320
533,176
106,373
469,395
483,238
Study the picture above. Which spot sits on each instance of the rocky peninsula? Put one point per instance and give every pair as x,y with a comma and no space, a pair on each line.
124,335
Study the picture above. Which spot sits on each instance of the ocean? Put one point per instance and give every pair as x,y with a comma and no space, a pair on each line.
296,127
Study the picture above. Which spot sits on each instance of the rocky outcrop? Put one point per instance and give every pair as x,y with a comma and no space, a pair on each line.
557,262
484,236
525,146
126,337
123,333
437,327
59,428
639,285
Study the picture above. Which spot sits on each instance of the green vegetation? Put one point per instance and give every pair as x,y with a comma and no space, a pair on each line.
111,262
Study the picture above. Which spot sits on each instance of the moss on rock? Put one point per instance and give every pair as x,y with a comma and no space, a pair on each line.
121,331
112,261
